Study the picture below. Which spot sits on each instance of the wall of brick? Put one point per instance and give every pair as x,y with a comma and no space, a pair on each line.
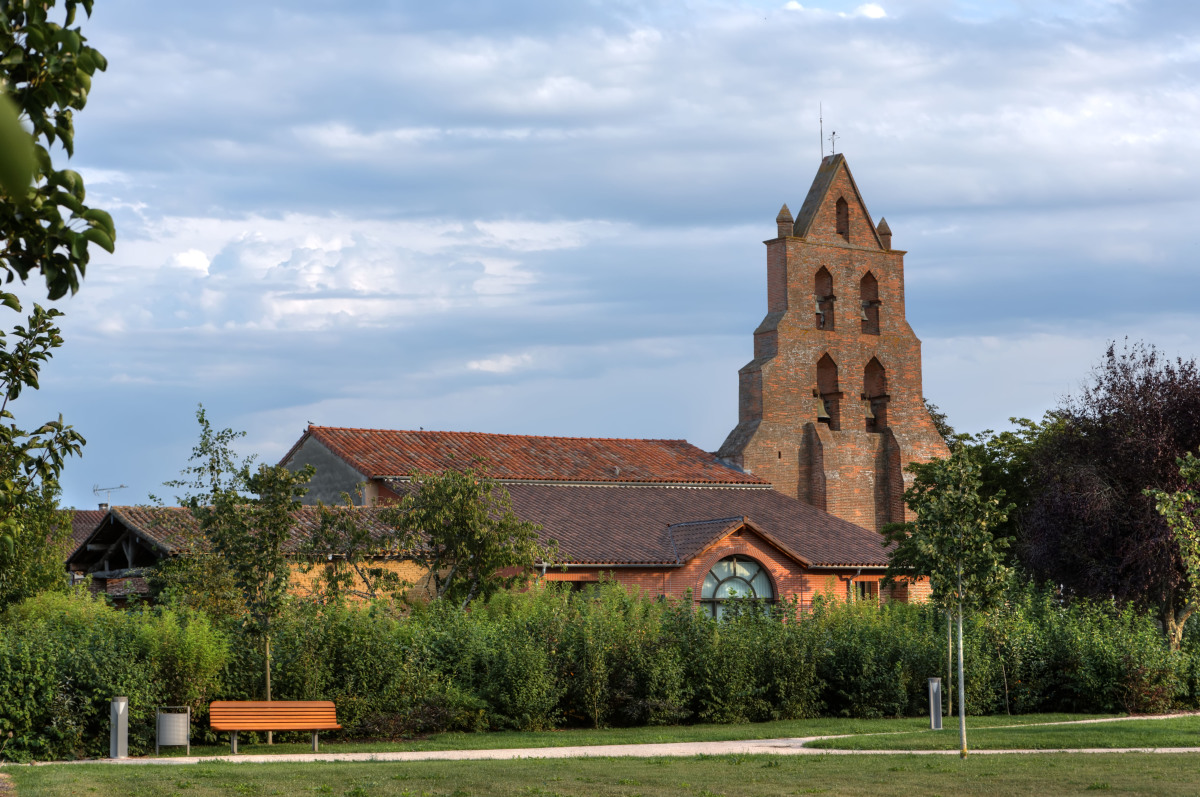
788,578
845,466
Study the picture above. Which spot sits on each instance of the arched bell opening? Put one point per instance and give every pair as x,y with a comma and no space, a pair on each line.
829,411
875,396
868,295
823,298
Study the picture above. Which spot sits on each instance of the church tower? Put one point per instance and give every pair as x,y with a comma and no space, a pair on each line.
830,409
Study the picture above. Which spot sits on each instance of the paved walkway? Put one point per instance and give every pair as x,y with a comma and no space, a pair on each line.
793,746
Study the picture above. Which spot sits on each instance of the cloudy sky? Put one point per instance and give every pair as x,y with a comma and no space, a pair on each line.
546,217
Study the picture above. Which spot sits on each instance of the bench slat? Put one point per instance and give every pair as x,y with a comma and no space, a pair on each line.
273,715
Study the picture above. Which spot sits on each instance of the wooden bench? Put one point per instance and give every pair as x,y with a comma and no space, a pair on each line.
272,715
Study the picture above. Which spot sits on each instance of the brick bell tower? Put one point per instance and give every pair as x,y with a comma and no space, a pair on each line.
830,408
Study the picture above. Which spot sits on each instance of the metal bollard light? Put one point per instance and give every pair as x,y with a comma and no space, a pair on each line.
935,704
118,743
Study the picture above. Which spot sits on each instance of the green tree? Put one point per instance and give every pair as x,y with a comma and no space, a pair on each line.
461,527
47,68
350,548
246,516
30,461
952,543
1181,511
39,540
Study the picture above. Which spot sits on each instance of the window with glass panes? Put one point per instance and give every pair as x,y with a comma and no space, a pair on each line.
734,577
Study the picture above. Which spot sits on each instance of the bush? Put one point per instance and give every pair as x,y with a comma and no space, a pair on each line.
551,657
70,654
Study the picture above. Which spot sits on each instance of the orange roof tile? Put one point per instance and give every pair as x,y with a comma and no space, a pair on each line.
382,453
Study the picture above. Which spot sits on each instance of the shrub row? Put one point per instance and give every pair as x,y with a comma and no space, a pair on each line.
550,658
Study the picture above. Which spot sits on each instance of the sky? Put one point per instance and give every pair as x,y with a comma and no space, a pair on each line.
546,217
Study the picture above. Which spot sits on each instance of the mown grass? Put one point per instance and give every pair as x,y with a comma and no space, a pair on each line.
1176,732
765,776
299,743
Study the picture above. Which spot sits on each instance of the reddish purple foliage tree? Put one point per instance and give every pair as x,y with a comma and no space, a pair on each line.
1089,527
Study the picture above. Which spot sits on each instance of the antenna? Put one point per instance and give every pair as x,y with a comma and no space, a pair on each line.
821,116
108,491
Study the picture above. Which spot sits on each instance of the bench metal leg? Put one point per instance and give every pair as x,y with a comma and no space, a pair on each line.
314,741
233,742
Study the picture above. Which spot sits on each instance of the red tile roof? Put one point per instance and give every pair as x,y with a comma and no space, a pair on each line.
84,522
381,453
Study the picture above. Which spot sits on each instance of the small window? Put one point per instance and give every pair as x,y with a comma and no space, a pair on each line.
866,590
734,578
843,218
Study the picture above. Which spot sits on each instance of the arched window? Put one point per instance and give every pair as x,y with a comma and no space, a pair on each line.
843,218
823,294
875,397
735,577
868,294
827,391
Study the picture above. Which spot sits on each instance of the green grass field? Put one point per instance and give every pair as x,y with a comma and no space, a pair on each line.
748,776
643,735
1179,732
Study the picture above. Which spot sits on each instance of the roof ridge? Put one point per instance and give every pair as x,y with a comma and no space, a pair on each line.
505,434
729,519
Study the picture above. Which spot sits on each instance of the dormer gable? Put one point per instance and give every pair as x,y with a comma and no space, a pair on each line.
834,210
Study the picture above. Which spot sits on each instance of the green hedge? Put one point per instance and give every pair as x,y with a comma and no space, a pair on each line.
550,657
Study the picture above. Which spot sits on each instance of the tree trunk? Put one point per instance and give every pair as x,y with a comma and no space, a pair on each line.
950,662
270,734
962,695
1174,621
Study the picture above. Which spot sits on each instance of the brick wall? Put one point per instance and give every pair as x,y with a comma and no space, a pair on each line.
848,466
788,578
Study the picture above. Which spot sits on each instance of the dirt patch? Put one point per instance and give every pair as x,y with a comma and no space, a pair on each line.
7,789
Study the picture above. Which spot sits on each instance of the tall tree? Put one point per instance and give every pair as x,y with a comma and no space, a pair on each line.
1090,526
245,514
951,542
46,70
464,532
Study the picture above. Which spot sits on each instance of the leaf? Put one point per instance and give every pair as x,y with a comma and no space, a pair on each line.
16,152
100,238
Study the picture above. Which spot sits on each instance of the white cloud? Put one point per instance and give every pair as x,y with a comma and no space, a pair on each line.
870,11
503,364
191,260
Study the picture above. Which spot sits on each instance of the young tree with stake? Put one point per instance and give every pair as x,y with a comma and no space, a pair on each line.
952,543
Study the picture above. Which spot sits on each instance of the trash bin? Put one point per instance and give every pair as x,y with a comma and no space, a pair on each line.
173,725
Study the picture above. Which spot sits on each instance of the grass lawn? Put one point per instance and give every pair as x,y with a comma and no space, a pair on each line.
1179,732
748,776
643,735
